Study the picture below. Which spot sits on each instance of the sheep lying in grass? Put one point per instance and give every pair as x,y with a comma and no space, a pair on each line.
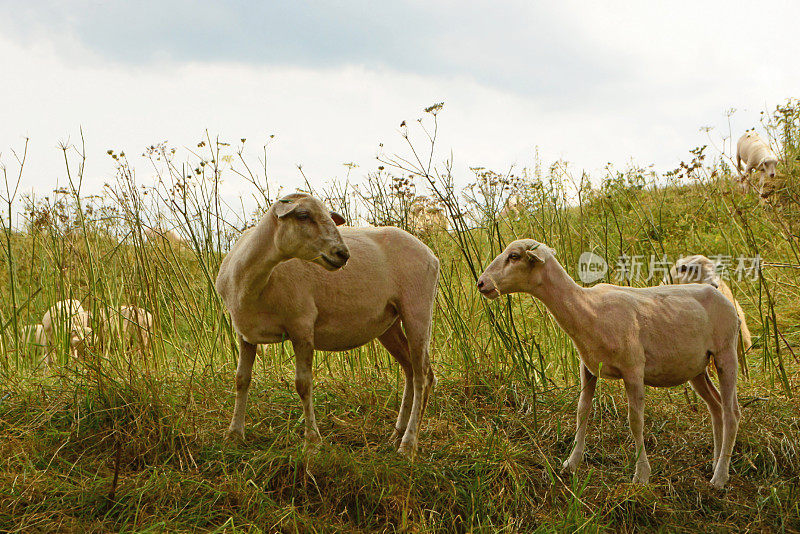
131,325
274,292
699,269
66,316
758,157
657,336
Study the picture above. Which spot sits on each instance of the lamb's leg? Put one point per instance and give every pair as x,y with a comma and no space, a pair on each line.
588,384
247,355
396,343
726,369
705,388
303,357
634,387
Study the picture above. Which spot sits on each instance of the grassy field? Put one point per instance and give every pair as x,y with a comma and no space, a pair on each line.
124,441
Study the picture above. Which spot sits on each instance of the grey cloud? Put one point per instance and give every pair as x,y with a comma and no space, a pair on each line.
519,48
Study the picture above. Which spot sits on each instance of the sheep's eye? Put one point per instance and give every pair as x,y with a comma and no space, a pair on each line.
303,216
513,256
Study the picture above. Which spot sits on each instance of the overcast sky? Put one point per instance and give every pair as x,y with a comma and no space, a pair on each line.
588,82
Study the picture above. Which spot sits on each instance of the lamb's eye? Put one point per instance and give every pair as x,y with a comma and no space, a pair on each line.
303,216
513,256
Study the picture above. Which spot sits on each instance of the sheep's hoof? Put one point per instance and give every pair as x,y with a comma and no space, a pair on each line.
311,447
235,435
569,466
408,450
397,438
641,478
719,482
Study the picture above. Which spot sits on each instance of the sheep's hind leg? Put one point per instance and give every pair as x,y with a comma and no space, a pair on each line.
418,330
394,340
634,387
303,357
705,388
588,384
247,355
726,368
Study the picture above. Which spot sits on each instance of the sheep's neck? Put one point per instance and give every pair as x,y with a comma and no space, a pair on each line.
260,258
565,299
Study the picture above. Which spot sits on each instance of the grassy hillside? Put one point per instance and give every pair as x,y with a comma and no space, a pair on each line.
129,442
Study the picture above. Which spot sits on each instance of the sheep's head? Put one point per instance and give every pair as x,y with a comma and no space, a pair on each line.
307,230
693,270
768,166
519,268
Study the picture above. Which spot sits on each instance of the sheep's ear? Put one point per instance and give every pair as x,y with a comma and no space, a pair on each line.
284,207
536,254
338,219
710,275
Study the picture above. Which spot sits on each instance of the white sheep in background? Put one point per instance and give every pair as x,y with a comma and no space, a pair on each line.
66,316
132,325
758,157
513,207
159,233
656,336
33,335
425,217
701,270
386,290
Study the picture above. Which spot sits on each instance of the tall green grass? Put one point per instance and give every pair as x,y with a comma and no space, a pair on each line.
127,440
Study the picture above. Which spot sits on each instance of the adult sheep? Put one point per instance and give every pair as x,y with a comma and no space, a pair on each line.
630,334
272,285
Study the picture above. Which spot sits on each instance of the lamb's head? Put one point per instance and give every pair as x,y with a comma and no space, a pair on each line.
519,268
695,269
307,230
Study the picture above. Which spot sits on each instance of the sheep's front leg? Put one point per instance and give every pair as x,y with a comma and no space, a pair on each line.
634,387
588,384
247,355
303,357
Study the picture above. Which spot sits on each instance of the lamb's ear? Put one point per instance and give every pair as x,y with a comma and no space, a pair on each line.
338,219
536,254
284,207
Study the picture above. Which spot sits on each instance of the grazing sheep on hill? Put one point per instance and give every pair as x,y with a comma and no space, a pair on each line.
757,157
